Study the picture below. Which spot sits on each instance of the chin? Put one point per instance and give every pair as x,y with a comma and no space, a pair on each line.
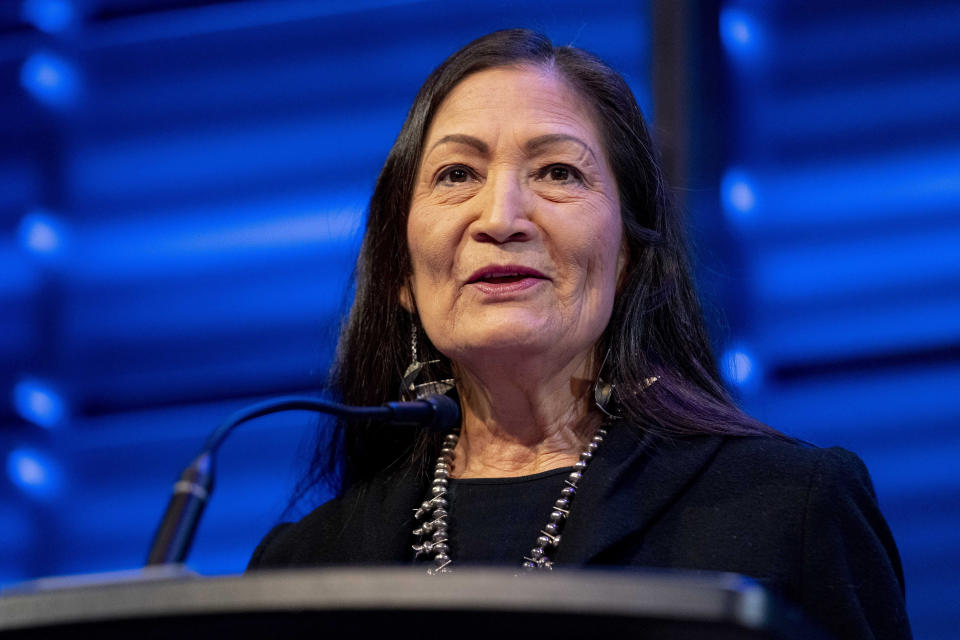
521,336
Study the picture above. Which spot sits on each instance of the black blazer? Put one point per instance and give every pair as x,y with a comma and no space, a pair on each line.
804,521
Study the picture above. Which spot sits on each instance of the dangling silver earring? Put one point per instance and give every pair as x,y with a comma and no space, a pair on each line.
409,389
603,391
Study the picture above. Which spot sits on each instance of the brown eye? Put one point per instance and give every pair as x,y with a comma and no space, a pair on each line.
560,174
455,175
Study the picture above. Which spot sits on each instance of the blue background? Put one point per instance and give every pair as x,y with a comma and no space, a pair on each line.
182,192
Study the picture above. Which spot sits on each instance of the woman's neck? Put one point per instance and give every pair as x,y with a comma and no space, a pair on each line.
520,420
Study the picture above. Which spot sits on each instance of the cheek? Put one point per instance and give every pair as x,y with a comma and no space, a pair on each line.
595,251
432,249
426,257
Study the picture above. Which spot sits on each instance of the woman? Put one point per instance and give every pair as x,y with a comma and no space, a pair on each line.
520,251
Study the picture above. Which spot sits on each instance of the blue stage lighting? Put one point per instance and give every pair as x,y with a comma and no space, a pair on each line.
739,195
42,233
740,33
39,403
51,79
34,472
51,16
738,367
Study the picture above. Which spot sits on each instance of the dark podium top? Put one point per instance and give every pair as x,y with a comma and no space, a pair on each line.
399,603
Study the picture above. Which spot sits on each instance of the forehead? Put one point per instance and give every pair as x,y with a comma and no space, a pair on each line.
527,99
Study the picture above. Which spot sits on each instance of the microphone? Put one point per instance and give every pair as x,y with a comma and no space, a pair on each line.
174,536
435,413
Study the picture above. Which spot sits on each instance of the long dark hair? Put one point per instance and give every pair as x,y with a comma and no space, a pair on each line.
655,330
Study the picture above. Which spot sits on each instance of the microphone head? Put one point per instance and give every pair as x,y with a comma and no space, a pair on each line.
446,412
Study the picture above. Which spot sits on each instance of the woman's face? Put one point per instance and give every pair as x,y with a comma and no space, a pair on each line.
514,229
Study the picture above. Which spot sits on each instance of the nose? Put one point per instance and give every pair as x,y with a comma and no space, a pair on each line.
505,211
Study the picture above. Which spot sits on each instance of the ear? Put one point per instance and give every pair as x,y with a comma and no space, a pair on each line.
623,259
406,297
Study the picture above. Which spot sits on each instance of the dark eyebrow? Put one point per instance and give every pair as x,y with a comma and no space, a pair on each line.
460,138
535,145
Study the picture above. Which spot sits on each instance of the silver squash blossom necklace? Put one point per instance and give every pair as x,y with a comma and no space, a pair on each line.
432,514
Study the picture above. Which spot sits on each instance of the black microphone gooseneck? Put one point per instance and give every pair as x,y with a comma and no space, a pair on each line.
173,538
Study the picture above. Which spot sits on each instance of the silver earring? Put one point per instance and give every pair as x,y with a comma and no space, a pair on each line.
603,391
409,389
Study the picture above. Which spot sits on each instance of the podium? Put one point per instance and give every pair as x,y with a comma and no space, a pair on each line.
400,604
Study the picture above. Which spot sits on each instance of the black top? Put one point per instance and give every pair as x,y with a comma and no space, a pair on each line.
801,520
497,520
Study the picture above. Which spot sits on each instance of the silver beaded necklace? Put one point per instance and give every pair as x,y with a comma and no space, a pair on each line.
432,513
